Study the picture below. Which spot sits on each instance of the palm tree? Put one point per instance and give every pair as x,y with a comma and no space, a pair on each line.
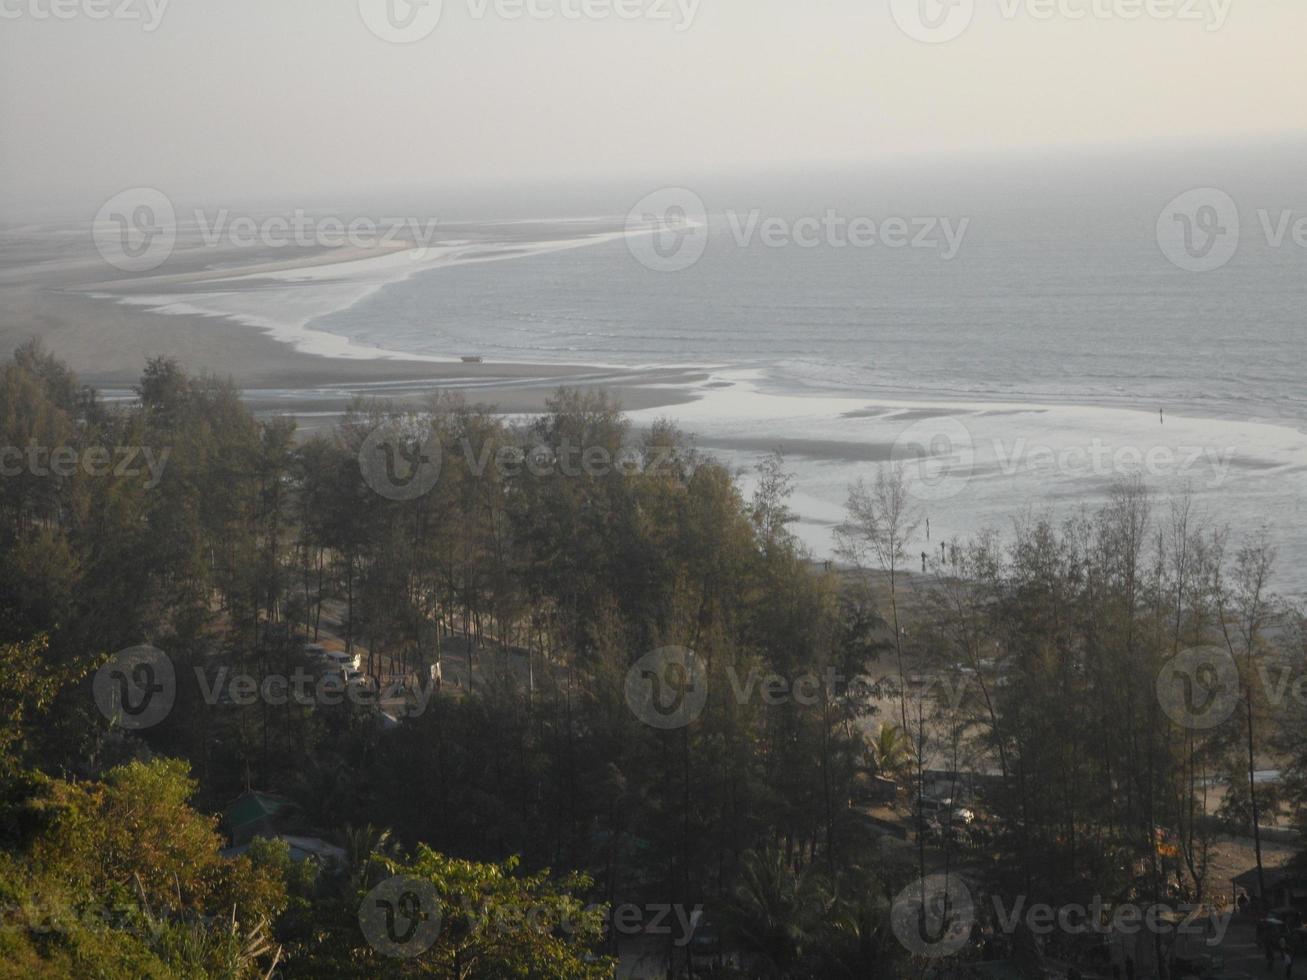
778,912
367,849
890,752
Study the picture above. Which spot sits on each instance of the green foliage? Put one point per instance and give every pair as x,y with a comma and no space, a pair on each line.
543,586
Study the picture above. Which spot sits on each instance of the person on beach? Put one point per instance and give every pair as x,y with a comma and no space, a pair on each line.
927,528
923,563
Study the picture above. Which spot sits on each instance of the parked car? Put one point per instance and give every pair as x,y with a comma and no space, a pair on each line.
343,660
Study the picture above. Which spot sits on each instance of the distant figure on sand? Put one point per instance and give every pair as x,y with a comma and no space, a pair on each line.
1161,416
923,563
927,528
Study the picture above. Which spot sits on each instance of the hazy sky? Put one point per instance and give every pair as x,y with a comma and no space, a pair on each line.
226,97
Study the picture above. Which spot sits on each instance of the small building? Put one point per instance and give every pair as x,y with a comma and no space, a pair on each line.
1285,887
301,849
255,814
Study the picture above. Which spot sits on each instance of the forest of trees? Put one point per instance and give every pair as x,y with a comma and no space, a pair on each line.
529,784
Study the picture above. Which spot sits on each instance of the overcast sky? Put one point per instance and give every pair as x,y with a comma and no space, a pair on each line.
230,97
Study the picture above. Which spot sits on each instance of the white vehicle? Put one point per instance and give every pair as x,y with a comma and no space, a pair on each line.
343,660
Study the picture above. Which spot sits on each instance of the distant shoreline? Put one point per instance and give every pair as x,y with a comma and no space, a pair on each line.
62,302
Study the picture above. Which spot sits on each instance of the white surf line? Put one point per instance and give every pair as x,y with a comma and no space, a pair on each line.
338,287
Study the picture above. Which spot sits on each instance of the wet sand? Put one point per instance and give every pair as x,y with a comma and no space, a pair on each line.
109,343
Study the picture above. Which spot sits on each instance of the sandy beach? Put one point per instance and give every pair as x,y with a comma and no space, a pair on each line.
83,311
